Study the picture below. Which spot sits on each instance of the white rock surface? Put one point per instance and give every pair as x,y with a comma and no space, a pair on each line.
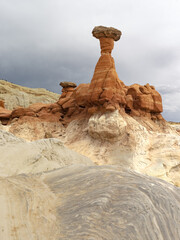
136,144
51,192
19,156
109,125
88,202
175,126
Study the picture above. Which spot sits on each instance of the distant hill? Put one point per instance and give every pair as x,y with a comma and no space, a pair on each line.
15,95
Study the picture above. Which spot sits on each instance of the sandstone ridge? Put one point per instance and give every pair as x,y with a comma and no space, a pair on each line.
14,95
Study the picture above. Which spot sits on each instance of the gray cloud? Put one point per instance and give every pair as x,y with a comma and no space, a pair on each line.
44,42
168,89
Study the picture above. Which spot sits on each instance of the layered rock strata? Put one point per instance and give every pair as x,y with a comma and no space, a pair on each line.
88,202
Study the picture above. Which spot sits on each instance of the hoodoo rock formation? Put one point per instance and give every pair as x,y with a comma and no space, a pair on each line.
106,89
105,93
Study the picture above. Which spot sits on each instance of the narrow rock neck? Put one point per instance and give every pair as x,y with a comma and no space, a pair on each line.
107,45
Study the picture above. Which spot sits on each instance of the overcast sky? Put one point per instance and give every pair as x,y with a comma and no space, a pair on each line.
44,42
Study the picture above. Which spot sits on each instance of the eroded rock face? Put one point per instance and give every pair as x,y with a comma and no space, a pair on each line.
19,156
34,130
105,88
35,112
15,95
140,144
107,126
4,113
68,84
2,103
144,98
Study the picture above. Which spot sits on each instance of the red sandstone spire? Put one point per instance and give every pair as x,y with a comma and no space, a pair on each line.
106,88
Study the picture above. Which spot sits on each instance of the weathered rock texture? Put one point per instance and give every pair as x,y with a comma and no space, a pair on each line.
106,32
140,144
35,112
68,84
80,203
2,103
19,156
106,89
145,146
4,113
17,96
35,130
175,126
